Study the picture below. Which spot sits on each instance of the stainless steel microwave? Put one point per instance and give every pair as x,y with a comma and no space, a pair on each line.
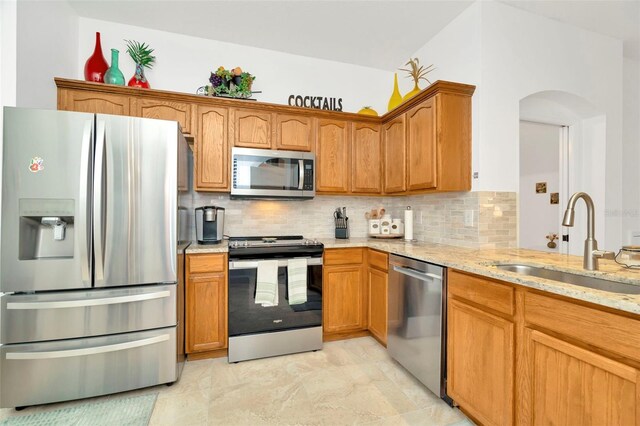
267,174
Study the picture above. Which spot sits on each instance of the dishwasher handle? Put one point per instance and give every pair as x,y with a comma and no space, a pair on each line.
414,273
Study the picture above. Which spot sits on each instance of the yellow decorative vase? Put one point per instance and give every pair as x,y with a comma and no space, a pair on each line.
396,97
368,111
412,93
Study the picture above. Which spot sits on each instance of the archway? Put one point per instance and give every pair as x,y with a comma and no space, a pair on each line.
563,144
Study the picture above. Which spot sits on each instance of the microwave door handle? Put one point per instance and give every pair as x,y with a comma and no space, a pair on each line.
301,174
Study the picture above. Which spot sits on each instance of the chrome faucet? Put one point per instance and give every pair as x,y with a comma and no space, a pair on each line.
591,252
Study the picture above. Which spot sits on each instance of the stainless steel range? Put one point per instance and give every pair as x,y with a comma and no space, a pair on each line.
275,296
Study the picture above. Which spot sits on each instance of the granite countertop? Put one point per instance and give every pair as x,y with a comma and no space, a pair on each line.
483,261
194,247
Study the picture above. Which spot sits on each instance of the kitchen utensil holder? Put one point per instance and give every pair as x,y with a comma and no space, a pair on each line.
342,228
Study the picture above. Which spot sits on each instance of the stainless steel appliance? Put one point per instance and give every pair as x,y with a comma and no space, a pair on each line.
256,331
268,174
209,224
90,255
417,320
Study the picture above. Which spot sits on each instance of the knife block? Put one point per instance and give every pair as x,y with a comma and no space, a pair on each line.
342,233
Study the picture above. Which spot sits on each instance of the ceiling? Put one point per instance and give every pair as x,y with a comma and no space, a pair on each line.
616,18
378,34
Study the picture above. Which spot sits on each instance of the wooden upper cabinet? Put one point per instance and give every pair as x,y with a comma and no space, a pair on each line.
366,159
251,128
394,156
96,102
421,146
332,156
211,149
294,132
165,110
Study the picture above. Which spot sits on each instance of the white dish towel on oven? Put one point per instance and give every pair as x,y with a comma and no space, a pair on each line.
297,281
267,283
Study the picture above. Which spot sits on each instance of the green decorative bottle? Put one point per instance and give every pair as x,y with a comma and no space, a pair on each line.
113,74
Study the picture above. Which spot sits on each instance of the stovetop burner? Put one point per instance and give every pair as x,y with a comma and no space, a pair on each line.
259,241
274,246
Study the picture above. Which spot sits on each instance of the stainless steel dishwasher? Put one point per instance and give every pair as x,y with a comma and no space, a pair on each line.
417,320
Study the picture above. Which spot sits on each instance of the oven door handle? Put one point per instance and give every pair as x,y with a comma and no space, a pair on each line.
253,264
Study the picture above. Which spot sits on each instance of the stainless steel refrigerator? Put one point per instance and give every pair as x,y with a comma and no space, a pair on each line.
90,260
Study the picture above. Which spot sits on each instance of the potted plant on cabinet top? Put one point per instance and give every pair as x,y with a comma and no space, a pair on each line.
141,55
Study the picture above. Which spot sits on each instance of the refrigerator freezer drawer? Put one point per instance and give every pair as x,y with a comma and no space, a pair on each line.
39,373
84,313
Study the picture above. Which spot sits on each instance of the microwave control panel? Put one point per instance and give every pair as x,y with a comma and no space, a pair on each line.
308,175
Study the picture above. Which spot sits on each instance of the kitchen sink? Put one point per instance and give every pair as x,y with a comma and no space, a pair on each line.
575,279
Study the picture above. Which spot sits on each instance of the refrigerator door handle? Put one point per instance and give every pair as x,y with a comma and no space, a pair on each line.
98,208
84,219
88,351
62,304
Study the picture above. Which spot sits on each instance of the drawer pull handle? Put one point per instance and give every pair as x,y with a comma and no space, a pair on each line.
88,351
88,302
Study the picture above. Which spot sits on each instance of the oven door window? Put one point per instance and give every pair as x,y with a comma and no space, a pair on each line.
258,172
247,317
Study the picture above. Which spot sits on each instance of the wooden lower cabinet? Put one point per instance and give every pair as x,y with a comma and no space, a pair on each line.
343,299
480,362
378,281
521,356
344,291
571,385
206,303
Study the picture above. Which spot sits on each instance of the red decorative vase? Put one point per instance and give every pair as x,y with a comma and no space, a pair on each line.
96,65
138,79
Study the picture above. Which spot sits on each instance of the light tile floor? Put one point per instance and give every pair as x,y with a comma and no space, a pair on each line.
348,382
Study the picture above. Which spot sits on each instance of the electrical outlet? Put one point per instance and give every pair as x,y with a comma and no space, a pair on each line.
469,216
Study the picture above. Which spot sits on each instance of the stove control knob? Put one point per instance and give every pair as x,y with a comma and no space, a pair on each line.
315,241
246,244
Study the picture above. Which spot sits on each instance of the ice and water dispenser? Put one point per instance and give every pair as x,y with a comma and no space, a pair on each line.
46,228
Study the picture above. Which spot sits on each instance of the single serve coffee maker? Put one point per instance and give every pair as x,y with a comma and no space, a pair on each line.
209,224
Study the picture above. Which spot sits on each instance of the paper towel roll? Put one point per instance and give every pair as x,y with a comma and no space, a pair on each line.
408,224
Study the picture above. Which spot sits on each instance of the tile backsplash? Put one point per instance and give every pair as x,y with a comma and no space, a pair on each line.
469,219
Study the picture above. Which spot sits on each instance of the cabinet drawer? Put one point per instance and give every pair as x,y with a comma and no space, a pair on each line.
72,314
204,263
378,259
64,370
347,256
485,292
615,333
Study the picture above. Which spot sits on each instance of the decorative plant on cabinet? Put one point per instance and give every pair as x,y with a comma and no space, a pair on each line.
417,72
141,55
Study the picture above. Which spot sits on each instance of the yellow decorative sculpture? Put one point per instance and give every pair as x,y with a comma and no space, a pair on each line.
396,97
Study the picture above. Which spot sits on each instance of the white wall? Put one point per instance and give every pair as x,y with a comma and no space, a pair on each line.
520,54
631,149
456,53
8,24
184,63
539,162
47,44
